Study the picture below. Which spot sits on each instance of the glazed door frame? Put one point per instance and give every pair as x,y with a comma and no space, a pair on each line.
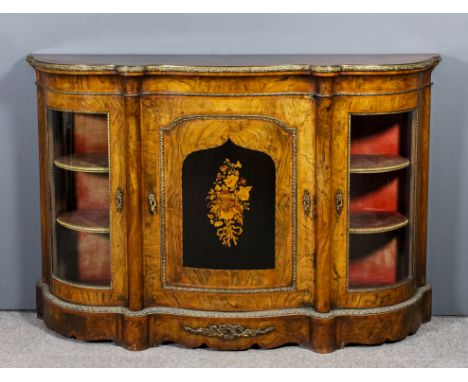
169,284
344,108
116,293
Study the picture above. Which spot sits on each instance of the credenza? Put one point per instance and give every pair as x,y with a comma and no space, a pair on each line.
233,201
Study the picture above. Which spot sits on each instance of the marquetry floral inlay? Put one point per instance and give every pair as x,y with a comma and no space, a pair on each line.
227,201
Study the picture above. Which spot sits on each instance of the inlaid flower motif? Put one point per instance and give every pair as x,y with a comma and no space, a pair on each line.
227,201
244,193
231,181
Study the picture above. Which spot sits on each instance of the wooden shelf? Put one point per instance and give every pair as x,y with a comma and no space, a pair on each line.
94,162
368,222
93,221
371,164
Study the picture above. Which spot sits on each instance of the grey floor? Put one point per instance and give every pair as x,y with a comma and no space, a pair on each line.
26,342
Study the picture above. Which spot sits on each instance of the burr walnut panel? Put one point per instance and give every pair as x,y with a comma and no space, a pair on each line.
259,135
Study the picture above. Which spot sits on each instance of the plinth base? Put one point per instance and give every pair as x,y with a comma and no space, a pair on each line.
321,332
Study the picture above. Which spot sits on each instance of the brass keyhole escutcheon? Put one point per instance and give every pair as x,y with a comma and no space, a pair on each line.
339,201
153,206
306,202
119,199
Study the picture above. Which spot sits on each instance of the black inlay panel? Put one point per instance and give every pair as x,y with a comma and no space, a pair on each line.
255,248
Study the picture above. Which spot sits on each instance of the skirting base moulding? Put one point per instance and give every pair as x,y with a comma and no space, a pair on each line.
233,201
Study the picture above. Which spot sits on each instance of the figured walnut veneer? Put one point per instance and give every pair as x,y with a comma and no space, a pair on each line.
295,109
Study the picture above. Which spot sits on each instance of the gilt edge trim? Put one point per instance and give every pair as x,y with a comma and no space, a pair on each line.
309,312
294,68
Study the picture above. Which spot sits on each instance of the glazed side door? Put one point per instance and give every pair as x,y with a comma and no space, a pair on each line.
375,189
229,193
85,182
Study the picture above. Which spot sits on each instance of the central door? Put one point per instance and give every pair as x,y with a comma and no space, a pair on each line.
227,223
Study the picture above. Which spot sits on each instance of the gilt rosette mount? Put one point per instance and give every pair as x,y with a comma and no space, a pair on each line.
228,332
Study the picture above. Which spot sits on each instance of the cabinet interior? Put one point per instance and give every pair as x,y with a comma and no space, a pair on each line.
380,184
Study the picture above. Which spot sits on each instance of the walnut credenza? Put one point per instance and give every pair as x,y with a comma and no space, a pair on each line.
234,200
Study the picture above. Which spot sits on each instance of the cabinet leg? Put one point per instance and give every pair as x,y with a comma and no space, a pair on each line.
134,333
323,335
39,301
427,307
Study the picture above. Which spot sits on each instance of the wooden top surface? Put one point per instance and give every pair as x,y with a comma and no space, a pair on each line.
233,63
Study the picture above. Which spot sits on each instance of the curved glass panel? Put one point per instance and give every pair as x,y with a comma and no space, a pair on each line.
80,197
380,199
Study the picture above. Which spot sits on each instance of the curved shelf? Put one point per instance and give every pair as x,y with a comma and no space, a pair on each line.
371,163
91,221
368,222
94,162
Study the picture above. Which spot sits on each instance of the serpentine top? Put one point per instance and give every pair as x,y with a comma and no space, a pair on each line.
298,64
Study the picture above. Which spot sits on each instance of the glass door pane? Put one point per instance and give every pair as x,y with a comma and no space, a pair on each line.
380,189
79,160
